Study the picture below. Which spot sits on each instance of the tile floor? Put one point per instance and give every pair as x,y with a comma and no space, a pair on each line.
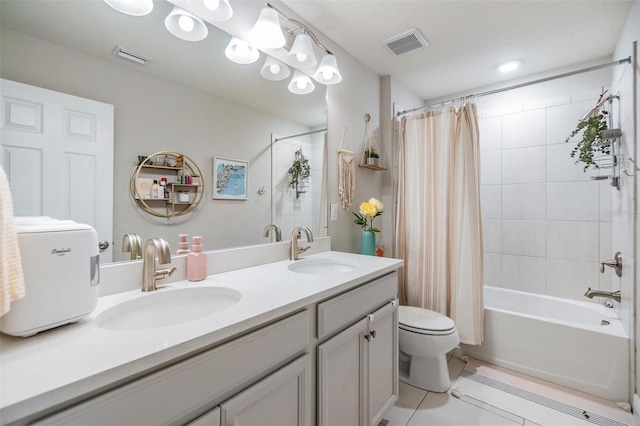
491,395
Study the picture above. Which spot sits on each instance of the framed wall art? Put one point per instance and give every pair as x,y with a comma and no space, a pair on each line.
230,179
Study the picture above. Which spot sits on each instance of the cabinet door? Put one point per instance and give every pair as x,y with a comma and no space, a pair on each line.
281,399
210,418
341,377
383,361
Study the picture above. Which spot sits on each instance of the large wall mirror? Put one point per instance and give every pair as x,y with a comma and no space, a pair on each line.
189,98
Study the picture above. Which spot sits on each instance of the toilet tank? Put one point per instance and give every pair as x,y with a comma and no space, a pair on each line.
60,260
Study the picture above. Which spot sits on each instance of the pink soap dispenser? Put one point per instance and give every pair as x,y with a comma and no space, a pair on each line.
196,261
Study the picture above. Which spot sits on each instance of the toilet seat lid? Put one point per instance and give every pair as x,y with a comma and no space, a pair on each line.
424,319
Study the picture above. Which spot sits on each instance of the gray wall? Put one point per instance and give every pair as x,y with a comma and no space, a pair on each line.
153,115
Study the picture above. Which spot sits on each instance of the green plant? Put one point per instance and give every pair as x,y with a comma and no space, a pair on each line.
591,143
371,153
299,170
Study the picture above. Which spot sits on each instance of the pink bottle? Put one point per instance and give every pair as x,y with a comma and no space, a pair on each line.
196,261
183,244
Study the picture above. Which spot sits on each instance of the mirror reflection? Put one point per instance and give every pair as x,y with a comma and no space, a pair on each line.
189,98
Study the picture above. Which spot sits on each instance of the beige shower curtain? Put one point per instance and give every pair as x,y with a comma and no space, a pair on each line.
439,225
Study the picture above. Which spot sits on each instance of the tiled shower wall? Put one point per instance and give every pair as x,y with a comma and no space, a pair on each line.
304,210
546,224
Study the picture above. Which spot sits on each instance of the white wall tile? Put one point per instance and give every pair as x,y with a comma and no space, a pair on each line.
490,133
524,237
524,201
573,240
524,273
491,168
561,166
606,253
491,201
492,235
573,201
606,201
493,269
562,120
571,279
503,110
524,165
523,129
547,102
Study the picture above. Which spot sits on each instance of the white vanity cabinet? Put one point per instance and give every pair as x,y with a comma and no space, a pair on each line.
283,398
358,366
181,392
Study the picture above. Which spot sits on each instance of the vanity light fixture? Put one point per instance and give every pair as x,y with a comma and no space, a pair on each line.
274,70
328,72
241,52
186,26
267,32
215,10
301,52
132,7
301,84
509,65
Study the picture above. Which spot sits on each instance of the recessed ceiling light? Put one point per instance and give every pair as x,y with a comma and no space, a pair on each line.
509,65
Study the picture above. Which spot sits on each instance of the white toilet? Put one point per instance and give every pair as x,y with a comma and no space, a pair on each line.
425,338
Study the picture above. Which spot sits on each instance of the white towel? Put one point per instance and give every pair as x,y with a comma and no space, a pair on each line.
11,275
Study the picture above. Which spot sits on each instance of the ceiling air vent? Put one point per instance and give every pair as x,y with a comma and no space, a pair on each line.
127,54
406,42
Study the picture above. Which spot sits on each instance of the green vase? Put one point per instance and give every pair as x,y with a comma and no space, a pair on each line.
368,243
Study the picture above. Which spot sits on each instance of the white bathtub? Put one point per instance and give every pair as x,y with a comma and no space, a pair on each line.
559,340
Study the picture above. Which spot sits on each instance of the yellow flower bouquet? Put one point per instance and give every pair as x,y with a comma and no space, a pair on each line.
369,210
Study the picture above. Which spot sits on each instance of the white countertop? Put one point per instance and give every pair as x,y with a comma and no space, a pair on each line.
55,366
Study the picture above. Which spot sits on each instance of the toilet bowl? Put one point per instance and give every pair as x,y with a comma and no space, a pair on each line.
425,338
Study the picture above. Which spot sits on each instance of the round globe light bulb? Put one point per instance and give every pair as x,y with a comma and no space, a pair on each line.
211,4
301,84
274,68
186,23
327,74
301,57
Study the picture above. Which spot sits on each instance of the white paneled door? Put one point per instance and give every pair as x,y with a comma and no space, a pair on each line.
57,151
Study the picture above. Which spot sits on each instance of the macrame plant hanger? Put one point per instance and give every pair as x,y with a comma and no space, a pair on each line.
346,170
371,156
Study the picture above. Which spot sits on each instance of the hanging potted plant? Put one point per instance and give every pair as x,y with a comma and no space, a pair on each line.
299,171
592,143
372,156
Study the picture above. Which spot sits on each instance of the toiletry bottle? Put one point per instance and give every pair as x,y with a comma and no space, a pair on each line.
154,189
196,261
183,244
162,191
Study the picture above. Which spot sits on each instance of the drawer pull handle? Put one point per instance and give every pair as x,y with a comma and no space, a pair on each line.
368,337
373,334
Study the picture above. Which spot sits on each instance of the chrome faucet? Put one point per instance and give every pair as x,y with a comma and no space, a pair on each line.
277,230
131,243
615,295
152,247
295,251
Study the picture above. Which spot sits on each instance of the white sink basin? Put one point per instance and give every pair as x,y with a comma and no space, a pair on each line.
323,266
167,308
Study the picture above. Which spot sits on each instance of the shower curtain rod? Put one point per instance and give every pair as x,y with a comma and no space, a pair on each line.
517,86
300,134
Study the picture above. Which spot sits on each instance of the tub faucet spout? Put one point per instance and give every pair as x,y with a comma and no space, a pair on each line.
615,295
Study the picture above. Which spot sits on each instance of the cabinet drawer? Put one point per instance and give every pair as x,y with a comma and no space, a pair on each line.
191,386
343,310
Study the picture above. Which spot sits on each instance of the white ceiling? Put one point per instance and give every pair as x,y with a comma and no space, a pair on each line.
468,38
92,27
